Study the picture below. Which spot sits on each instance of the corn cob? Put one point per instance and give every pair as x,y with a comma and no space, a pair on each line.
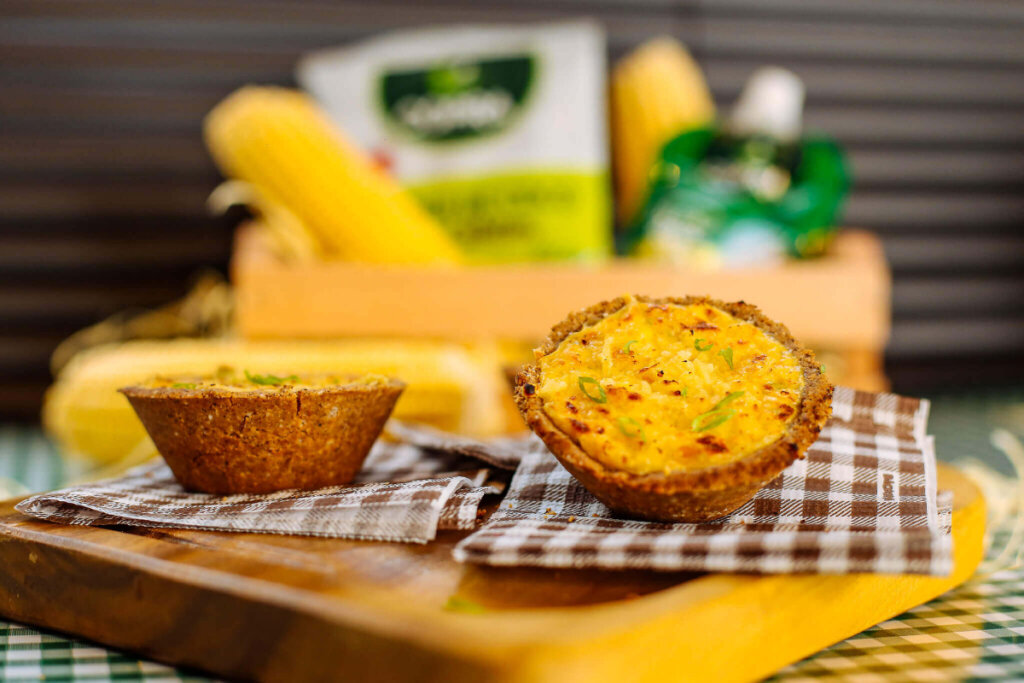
448,386
657,92
279,142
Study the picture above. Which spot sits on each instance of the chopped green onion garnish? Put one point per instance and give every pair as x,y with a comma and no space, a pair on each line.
601,396
630,422
823,368
697,345
625,349
711,419
271,380
457,604
728,399
183,385
726,353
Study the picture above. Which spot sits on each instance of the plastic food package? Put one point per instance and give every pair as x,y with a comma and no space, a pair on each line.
500,131
751,191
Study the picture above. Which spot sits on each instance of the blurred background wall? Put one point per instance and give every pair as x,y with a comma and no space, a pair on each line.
103,175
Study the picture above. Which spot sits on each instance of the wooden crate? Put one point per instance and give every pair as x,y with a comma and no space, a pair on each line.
839,304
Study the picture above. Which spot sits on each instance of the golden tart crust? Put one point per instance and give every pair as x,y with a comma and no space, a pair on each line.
692,494
242,437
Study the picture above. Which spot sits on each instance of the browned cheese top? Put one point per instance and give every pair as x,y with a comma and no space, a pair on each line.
664,388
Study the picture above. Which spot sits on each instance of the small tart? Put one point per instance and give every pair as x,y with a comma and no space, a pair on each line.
674,409
238,432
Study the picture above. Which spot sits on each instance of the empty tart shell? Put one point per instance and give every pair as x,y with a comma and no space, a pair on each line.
690,494
225,439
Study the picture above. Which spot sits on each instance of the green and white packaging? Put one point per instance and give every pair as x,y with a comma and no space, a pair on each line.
499,130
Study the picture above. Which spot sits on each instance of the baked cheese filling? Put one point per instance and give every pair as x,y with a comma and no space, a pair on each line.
241,380
664,388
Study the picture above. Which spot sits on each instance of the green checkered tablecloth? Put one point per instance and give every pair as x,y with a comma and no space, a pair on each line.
975,632
28,655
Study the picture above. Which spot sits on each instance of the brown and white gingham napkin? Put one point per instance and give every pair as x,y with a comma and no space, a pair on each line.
502,451
404,493
864,500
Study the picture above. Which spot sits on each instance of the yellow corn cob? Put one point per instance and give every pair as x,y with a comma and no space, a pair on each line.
448,386
657,92
282,144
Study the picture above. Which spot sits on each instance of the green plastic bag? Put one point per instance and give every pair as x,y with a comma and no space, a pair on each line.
716,201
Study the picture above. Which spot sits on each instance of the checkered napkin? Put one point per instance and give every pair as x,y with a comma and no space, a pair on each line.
405,492
863,500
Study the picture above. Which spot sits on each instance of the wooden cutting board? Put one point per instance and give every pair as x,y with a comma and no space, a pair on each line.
290,608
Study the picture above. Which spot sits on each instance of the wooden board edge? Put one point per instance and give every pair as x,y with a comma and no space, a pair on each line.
615,641
299,638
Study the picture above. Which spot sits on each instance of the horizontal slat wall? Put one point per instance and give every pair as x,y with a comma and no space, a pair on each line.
103,175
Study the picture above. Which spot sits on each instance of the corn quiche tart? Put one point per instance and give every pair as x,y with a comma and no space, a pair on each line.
673,409
239,432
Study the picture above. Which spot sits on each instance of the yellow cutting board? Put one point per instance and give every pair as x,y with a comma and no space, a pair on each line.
291,608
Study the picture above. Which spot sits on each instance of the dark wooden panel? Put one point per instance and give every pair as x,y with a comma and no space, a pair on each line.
907,168
961,297
120,225
952,255
915,212
54,305
873,12
48,153
759,37
948,336
88,255
20,399
918,126
94,197
21,356
955,373
51,104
